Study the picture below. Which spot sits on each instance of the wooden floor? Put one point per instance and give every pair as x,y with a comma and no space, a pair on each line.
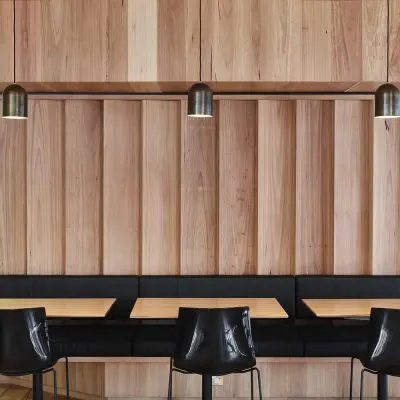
20,393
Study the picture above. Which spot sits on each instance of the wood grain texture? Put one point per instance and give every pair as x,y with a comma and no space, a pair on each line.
386,197
83,130
45,200
121,166
57,307
237,187
343,308
288,378
199,183
6,41
314,187
394,45
293,40
13,196
108,40
146,307
160,187
276,187
374,37
352,187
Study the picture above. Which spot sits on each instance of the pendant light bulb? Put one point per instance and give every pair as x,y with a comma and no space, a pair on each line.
15,102
200,101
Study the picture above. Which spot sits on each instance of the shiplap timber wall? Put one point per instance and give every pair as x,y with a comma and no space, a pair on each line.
268,186
135,187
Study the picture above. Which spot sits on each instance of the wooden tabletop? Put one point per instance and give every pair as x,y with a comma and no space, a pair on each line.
62,307
169,307
348,307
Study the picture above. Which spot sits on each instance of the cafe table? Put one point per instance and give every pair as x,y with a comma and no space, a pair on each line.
62,308
166,308
353,308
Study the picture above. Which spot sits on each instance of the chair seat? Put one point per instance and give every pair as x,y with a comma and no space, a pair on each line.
334,341
277,341
46,367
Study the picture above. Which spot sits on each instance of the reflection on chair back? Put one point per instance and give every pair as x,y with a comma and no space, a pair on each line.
383,353
214,341
24,341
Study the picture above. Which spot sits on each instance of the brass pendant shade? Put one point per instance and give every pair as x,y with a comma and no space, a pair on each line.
15,102
387,101
200,101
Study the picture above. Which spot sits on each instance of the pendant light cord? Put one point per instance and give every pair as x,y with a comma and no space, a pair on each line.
14,58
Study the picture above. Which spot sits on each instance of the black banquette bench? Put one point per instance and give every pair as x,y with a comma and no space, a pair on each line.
302,334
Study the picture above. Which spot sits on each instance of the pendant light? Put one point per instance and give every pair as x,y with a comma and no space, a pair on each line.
15,98
200,96
387,96
200,101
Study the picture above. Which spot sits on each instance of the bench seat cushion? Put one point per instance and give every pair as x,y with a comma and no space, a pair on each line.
92,341
335,341
155,340
277,341
270,341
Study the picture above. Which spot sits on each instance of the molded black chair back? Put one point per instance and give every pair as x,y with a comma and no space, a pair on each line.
383,353
24,341
214,341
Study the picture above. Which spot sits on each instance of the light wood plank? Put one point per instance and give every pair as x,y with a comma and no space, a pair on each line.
122,139
108,40
386,197
316,40
178,40
82,186
160,187
62,307
45,201
13,196
169,307
61,41
374,37
353,189
237,182
314,187
394,45
6,41
348,307
276,187
294,40
287,379
199,194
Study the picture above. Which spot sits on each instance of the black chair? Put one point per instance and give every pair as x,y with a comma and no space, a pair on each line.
25,345
215,342
383,352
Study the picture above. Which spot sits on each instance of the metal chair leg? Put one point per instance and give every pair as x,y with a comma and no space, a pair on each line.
252,384
259,382
67,377
351,377
170,381
362,383
55,383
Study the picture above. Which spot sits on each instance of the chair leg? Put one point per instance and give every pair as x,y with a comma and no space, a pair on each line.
170,381
362,383
351,377
55,383
67,377
252,384
259,382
